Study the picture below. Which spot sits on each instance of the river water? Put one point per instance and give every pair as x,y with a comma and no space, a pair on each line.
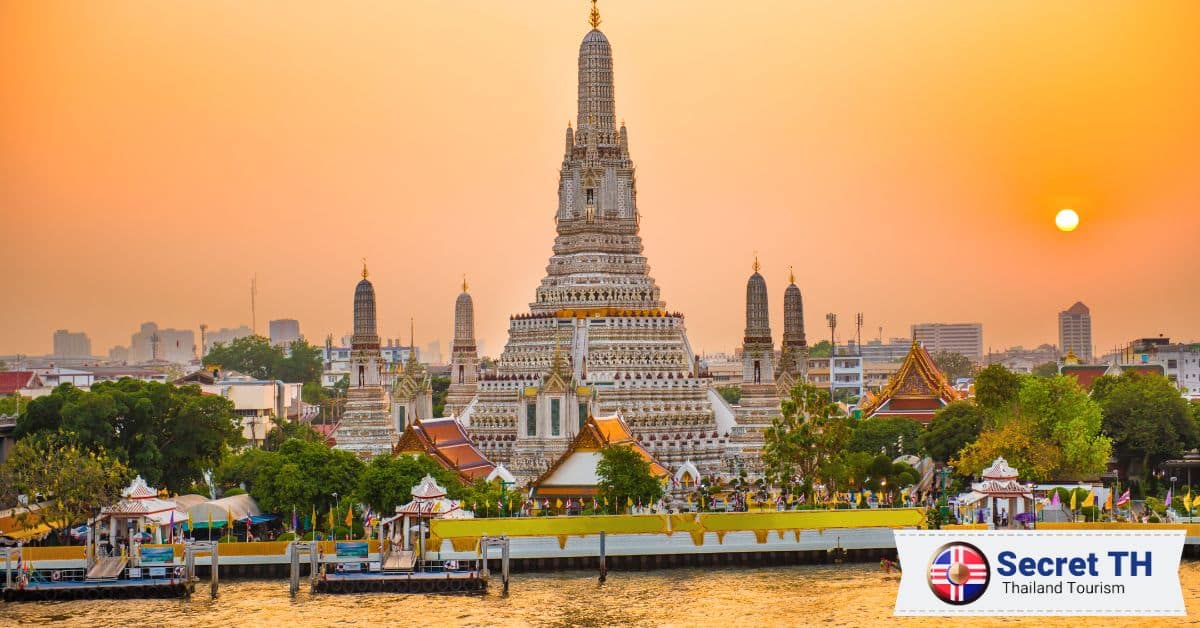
847,595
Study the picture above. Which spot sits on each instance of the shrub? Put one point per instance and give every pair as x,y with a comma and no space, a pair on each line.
286,536
234,491
227,539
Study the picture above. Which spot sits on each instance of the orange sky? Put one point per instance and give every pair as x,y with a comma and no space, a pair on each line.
907,158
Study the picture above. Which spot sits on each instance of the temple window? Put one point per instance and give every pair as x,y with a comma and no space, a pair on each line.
461,373
583,413
591,196
530,420
555,423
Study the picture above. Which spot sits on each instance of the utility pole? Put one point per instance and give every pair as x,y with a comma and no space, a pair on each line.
831,318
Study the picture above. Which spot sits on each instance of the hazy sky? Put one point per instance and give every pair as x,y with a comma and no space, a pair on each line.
906,157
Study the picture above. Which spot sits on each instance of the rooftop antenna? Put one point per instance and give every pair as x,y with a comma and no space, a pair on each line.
858,323
203,339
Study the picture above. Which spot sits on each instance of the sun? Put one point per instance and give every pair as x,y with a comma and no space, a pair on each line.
1066,220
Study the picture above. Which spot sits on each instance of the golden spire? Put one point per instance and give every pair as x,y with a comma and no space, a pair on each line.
756,266
791,274
464,282
594,18
364,273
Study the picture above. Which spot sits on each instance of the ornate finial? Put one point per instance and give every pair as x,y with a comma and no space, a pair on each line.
756,267
791,274
464,282
364,273
594,18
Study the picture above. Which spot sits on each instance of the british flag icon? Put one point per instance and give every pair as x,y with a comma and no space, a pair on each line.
958,573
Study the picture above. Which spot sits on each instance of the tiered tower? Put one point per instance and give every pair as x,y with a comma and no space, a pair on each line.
412,390
366,427
598,338
759,404
464,361
793,353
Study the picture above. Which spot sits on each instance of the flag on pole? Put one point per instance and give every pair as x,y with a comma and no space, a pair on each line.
171,527
558,503
1055,502
1124,498
331,522
1108,501
190,526
229,520
349,515
1074,500
1090,500
313,522
210,519
295,520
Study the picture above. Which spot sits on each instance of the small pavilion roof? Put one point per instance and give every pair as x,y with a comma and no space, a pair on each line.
445,440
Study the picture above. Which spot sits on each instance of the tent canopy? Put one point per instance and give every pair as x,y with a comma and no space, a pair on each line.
241,506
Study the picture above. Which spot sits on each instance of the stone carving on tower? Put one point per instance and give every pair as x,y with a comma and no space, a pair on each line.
412,392
759,404
793,352
464,361
600,312
366,427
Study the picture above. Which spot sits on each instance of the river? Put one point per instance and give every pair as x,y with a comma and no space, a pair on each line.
848,595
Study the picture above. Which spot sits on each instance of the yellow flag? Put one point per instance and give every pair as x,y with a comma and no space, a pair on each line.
229,520
210,519
558,503
605,500
1108,501
790,498
331,522
860,498
350,516
629,502
689,499
190,526
1090,500
1187,500
1074,500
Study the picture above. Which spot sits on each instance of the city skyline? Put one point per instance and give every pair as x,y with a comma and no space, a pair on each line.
801,130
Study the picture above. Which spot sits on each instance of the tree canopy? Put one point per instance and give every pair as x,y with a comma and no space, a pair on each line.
809,433
301,475
257,357
1052,427
168,434
625,476
74,482
891,435
1147,419
953,427
996,388
387,481
952,365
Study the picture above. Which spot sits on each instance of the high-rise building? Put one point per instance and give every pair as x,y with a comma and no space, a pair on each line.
366,427
598,338
962,338
226,335
152,343
72,344
284,331
1075,332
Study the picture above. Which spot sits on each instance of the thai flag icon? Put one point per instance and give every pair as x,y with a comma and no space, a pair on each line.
958,573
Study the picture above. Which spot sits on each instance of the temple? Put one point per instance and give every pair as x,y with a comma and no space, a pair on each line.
366,427
573,475
412,391
759,403
446,442
916,391
464,361
598,339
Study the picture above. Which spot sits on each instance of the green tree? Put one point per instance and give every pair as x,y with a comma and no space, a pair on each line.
953,427
303,363
387,481
892,435
487,499
1067,417
820,350
1018,442
1046,369
1147,420
169,435
73,483
731,394
625,475
285,429
809,433
996,388
301,475
440,386
252,355
952,365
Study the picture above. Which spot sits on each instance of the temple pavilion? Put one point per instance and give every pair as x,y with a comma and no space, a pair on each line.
573,475
447,442
916,391
999,491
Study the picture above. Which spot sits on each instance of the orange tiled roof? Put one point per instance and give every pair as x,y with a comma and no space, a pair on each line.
445,441
598,433
917,384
